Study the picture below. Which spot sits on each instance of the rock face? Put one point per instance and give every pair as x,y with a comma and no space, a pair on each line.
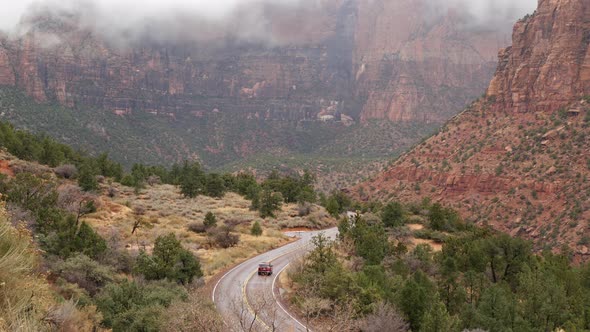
379,59
548,64
517,159
84,70
411,67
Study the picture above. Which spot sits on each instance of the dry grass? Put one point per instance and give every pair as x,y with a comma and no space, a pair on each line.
25,296
166,211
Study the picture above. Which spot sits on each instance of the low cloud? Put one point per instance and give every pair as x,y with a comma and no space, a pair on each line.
488,13
125,21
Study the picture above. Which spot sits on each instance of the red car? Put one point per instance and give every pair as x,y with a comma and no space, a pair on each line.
264,269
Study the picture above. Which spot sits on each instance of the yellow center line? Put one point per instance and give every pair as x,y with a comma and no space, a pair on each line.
245,296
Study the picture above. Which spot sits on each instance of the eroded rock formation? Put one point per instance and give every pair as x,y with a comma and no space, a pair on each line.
517,159
379,59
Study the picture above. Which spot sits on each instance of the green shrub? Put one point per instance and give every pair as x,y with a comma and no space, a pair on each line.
85,272
130,306
169,260
191,179
268,203
68,238
256,229
214,185
87,178
393,215
23,295
210,220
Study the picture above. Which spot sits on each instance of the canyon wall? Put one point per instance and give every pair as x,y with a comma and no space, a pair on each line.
366,59
548,64
411,65
518,159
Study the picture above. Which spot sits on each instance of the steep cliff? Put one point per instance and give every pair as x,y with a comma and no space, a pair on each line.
548,64
291,81
348,62
412,65
517,159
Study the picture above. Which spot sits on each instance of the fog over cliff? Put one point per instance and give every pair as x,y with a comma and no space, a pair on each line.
490,12
250,20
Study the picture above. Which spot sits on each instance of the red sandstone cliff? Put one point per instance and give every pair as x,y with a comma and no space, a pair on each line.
518,159
410,66
383,59
548,64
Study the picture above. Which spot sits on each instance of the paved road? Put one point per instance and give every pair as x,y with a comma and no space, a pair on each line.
247,301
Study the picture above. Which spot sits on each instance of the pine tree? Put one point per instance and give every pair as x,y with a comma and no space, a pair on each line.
437,319
215,186
169,260
87,178
333,207
210,220
268,203
393,215
256,229
191,180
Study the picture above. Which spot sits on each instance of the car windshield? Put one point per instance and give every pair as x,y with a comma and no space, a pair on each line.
263,265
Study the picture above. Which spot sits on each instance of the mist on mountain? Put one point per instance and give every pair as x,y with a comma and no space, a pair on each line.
269,22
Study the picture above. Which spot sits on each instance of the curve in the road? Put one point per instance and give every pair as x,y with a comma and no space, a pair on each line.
279,302
239,285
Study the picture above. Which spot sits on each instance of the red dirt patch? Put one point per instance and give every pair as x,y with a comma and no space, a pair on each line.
5,168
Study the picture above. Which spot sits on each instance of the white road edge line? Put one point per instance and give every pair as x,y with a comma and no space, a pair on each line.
244,262
223,277
279,303
273,283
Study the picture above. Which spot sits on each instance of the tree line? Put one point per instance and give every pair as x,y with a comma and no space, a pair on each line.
192,179
480,280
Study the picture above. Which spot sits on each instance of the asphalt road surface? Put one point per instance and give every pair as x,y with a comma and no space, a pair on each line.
247,301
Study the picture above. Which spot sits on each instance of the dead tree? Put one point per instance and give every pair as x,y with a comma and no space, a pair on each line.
246,312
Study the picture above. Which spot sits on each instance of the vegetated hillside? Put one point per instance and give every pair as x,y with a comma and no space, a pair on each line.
161,209
339,156
343,160
375,278
129,257
518,158
28,302
221,100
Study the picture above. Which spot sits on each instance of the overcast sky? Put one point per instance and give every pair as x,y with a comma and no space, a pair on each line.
126,15
491,10
131,10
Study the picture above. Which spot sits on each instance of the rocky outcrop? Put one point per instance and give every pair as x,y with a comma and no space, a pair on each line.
410,66
548,64
518,159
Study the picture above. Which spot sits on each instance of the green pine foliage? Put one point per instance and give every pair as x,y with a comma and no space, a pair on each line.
268,203
191,180
169,260
87,178
133,306
210,220
256,229
337,203
482,279
393,215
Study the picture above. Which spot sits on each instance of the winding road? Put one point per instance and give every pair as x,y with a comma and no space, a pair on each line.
248,302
